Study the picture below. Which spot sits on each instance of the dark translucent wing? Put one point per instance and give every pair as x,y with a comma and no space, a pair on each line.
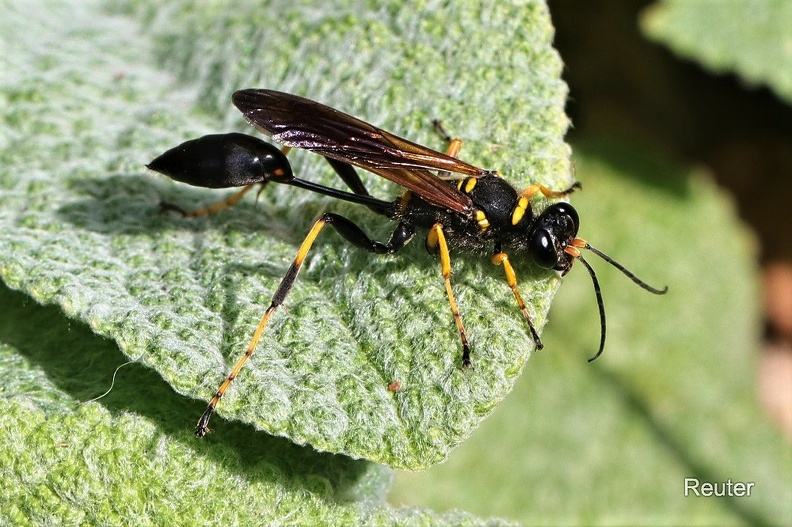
301,123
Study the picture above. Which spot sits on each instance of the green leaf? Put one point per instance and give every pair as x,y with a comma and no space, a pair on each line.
672,397
79,226
131,459
748,37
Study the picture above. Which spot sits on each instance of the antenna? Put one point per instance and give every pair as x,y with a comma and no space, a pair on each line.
600,304
577,242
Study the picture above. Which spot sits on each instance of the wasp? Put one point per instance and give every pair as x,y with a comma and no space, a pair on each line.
457,204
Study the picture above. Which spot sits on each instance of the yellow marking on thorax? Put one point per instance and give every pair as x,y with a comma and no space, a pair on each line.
519,210
482,220
467,185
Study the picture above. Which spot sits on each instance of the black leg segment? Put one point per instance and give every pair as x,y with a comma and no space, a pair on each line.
355,235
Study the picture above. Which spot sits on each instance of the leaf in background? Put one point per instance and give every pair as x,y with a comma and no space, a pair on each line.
79,226
673,396
748,37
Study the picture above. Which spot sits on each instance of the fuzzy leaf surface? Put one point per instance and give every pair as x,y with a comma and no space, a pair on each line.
86,109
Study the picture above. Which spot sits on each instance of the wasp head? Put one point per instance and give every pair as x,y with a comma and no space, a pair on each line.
551,234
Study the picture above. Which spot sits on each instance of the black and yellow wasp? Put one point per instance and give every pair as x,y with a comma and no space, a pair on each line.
459,205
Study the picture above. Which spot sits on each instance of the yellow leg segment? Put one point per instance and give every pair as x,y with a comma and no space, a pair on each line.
501,258
202,428
454,148
230,201
436,238
536,188
524,200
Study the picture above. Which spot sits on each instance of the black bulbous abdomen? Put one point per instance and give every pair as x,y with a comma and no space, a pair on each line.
222,161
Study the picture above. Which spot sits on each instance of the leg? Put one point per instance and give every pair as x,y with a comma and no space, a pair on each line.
230,201
351,233
536,188
435,240
454,143
501,258
524,201
350,176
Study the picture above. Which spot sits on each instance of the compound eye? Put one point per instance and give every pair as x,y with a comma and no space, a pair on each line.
542,249
566,210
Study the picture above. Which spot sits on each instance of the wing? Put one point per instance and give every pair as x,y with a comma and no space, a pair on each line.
301,123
